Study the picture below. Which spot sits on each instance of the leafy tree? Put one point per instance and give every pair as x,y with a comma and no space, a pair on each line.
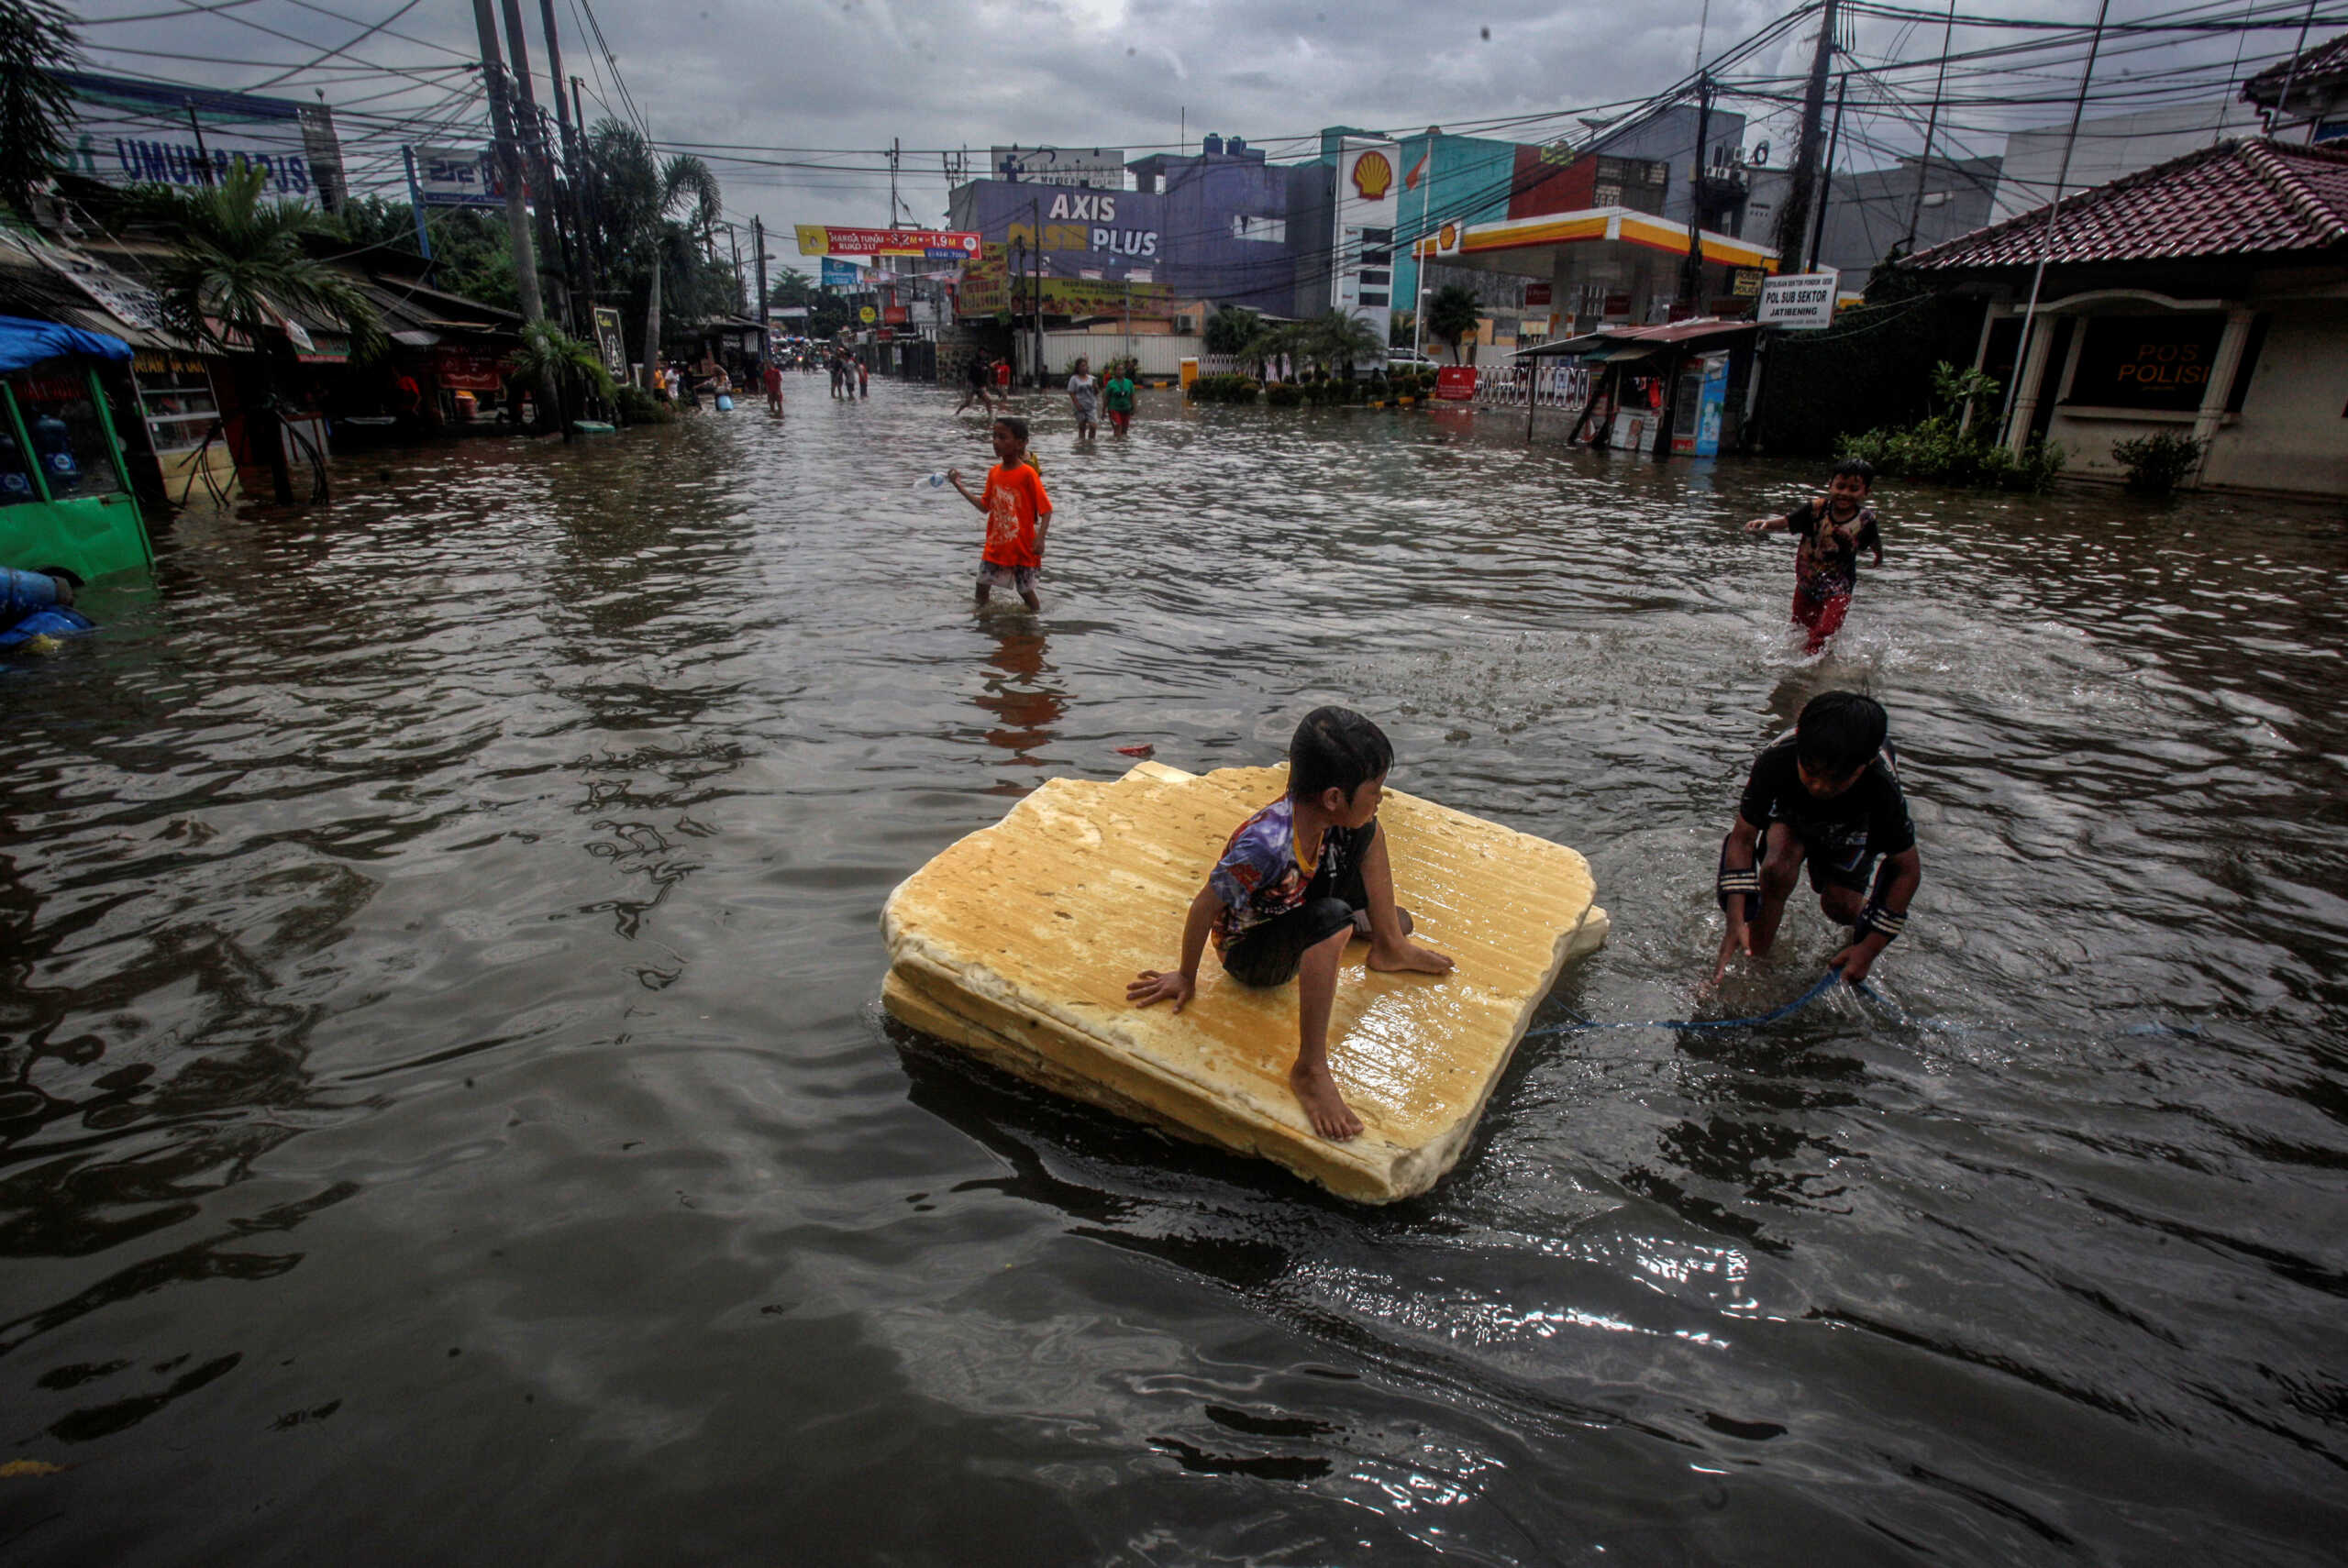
1340,341
1229,331
827,313
636,204
232,262
1452,315
553,357
1402,329
37,40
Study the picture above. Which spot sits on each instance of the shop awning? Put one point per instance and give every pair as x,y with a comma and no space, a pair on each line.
1615,343
25,343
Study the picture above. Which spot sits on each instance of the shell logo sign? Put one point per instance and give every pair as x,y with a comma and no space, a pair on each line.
1373,176
1447,241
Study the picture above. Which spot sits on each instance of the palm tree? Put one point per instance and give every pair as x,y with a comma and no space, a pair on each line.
635,200
1452,315
36,111
1342,340
553,357
236,265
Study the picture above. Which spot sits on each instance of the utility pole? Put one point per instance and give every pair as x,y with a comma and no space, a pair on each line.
517,214
1793,219
530,135
2014,415
896,146
1691,270
759,254
509,168
1826,175
1932,124
582,257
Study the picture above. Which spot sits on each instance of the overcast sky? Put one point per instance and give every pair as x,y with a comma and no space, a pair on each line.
832,82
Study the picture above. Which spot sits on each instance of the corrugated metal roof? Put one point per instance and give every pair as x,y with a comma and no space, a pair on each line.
2238,198
1694,330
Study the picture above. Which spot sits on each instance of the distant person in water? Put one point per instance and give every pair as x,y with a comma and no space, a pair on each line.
1827,796
978,377
1084,397
1019,516
1833,529
863,380
1296,882
1118,397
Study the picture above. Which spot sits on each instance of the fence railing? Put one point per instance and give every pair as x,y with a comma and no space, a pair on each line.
1552,384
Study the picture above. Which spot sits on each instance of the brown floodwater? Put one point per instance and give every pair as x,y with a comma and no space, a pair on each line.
446,1114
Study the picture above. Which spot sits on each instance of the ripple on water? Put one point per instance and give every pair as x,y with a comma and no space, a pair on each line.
440,1058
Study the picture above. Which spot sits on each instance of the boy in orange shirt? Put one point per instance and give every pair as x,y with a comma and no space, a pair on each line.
1019,515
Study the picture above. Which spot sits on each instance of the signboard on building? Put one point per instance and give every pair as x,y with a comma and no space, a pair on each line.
842,275
1363,217
1748,281
1802,302
611,342
1090,221
937,244
988,286
2147,361
1538,293
130,133
1101,167
456,177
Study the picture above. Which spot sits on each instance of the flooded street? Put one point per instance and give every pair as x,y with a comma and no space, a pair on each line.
447,1114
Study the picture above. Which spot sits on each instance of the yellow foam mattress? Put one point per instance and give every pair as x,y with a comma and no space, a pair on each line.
1017,942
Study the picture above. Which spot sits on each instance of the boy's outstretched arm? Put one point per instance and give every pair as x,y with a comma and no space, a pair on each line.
1156,986
954,478
1740,864
1885,914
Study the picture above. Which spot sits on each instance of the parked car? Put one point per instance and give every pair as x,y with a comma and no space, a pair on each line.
1410,360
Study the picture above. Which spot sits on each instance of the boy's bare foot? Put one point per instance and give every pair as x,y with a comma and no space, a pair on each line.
1316,1090
1409,957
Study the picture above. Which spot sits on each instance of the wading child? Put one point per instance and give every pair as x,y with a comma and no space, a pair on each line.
1118,397
1019,515
1084,396
1832,530
1297,881
1829,795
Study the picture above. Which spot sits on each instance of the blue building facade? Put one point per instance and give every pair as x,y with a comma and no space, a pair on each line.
1220,224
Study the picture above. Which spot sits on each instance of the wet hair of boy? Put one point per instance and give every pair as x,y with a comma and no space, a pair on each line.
1335,748
1858,469
1838,733
1017,426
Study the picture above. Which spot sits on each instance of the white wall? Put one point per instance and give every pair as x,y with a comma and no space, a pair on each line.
1160,353
2109,147
2293,433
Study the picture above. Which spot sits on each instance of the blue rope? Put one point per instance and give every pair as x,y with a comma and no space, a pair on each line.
1826,983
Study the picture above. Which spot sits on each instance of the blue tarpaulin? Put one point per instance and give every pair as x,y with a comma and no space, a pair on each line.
24,343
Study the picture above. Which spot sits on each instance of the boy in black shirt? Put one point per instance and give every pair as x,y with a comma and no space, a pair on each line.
1829,795
1833,529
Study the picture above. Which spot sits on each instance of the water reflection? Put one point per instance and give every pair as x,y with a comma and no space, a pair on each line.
1021,693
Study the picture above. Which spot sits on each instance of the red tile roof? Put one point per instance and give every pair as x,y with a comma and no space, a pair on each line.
2238,198
2318,64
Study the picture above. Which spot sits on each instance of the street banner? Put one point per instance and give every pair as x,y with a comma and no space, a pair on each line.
611,342
1455,384
456,177
1804,302
843,275
127,132
1101,167
935,244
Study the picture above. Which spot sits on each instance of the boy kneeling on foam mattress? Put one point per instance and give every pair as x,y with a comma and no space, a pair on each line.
1297,881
